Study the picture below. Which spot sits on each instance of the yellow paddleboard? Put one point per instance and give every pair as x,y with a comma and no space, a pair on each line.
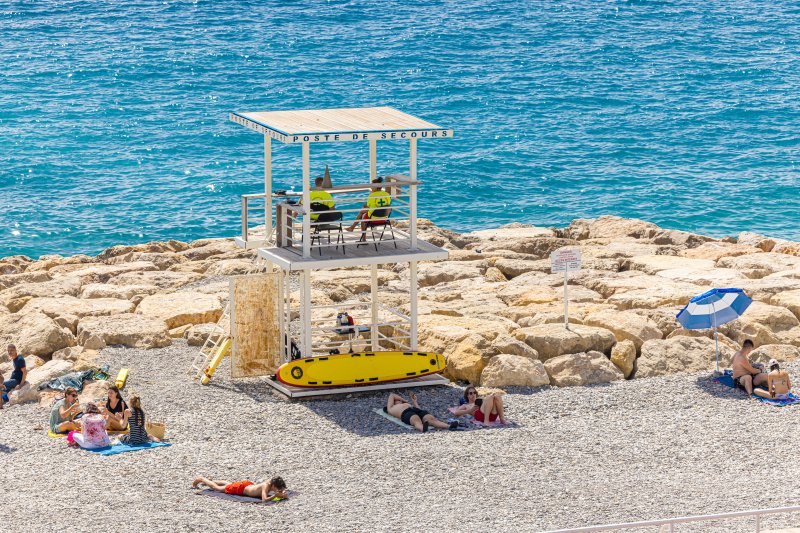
359,368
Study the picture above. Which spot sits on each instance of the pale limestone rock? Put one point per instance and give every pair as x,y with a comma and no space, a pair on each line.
69,322
48,262
623,355
197,334
430,274
716,277
70,353
584,368
610,283
625,325
94,391
134,331
122,292
653,264
49,370
181,308
438,333
789,299
8,268
71,306
507,232
93,342
86,359
680,354
507,344
466,362
162,279
611,227
511,268
205,248
663,317
552,340
783,353
230,267
27,393
180,331
748,238
717,250
539,247
761,323
31,362
790,336
10,280
356,281
196,267
16,297
494,275
102,273
663,296
34,333
506,370
788,247
162,260
760,265
680,238
150,247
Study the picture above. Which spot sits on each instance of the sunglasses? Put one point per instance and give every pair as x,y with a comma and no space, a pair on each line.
472,393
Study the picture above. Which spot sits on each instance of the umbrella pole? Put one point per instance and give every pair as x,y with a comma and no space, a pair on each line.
716,339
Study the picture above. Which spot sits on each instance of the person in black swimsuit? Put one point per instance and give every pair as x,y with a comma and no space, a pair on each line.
413,415
115,410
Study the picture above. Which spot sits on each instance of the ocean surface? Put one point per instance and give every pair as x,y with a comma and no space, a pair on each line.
114,123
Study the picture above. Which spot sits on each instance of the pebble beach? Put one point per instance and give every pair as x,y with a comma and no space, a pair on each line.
651,448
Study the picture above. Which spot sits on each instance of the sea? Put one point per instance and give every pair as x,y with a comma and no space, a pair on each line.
115,129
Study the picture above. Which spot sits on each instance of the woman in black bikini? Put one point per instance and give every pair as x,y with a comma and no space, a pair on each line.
115,410
413,415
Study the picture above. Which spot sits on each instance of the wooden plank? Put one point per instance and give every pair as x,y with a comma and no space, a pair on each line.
343,120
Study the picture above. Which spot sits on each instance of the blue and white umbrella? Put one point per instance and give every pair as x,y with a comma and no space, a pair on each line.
712,309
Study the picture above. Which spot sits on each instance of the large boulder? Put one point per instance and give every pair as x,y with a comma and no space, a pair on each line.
467,361
49,370
623,355
132,330
748,238
506,370
653,264
760,265
102,273
181,308
122,292
230,267
161,279
761,323
509,345
781,352
162,260
625,325
25,394
150,247
16,297
77,307
34,333
446,271
717,277
788,247
585,368
789,299
679,354
717,250
10,280
197,334
552,340
611,227
205,248
441,333
658,296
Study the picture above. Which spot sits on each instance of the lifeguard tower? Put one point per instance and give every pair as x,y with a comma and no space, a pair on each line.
296,238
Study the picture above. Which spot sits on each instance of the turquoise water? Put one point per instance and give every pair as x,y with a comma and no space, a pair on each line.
114,116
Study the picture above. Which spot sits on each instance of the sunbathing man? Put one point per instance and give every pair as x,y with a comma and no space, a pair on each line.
274,488
745,375
399,407
778,383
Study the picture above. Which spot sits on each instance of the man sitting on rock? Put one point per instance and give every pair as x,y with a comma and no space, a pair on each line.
19,374
745,375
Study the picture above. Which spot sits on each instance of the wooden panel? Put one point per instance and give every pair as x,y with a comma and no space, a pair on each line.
345,120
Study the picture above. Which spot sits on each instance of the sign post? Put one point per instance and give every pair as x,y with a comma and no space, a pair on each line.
565,260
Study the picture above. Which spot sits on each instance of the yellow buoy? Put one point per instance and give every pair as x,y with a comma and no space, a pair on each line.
359,368
122,378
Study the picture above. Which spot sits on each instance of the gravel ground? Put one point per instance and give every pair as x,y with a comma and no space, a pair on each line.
643,449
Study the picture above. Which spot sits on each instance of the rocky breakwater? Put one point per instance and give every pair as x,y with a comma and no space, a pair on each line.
493,309
60,310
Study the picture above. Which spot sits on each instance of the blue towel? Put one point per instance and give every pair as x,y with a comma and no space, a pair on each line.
122,448
791,400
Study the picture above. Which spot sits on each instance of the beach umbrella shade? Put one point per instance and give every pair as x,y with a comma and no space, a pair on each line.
712,309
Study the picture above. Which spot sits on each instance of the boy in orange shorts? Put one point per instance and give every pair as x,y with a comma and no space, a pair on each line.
274,488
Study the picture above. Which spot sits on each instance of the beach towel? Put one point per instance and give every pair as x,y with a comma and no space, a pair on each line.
726,379
73,379
62,435
242,499
392,419
469,422
791,400
122,448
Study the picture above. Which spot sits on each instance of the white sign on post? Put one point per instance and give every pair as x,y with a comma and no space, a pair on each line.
565,260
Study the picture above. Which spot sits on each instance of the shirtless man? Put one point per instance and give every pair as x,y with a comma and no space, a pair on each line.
745,375
778,383
274,488
399,407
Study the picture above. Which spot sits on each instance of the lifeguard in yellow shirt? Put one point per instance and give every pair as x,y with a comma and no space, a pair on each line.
378,201
318,196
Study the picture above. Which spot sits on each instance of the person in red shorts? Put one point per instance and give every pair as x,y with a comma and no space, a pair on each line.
489,408
274,488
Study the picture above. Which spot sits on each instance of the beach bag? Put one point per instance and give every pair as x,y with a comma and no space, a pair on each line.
155,429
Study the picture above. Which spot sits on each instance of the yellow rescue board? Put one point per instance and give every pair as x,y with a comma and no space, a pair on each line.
122,378
359,368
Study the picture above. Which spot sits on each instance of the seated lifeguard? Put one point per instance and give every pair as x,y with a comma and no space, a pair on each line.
413,415
778,383
318,196
378,200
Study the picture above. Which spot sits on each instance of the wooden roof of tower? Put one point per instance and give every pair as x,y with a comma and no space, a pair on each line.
340,125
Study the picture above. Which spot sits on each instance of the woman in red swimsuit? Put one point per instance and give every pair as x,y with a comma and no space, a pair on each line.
488,408
274,488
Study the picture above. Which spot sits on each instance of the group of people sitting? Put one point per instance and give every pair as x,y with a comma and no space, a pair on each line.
89,425
377,205
748,376
489,408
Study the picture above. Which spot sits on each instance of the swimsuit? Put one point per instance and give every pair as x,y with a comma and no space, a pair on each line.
237,487
406,415
480,418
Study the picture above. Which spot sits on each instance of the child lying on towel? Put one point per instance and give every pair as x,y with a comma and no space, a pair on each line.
484,410
274,488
